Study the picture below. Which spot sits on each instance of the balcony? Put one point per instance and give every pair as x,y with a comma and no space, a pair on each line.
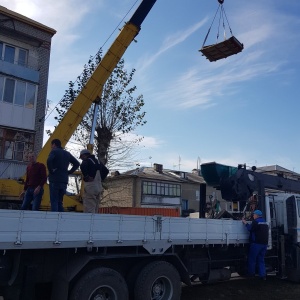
19,71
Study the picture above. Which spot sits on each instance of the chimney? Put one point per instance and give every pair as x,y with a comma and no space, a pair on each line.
183,175
158,167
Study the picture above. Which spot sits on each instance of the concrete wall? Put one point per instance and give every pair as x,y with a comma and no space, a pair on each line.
22,32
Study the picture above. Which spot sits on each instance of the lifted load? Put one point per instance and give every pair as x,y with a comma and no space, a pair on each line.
222,50
228,47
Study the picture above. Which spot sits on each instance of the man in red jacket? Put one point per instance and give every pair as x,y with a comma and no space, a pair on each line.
36,177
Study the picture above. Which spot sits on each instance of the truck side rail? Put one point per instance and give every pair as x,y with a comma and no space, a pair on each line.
45,230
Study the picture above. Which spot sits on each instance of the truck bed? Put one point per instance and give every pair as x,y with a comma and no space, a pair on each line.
41,230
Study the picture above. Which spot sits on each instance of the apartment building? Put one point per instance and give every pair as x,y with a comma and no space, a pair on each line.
24,66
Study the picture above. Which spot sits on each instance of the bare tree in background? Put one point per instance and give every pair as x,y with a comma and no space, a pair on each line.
120,113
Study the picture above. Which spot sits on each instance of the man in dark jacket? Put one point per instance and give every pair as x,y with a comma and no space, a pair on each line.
58,163
90,169
259,234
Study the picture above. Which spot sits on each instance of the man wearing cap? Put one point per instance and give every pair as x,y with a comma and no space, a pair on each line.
259,234
90,169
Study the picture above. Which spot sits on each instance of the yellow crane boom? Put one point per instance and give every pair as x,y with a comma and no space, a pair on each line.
11,189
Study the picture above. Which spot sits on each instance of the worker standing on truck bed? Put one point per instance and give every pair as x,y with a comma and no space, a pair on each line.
259,234
58,163
36,177
90,168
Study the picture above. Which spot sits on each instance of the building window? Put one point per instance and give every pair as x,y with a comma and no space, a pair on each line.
9,54
1,86
30,95
22,57
9,89
1,142
184,204
18,92
1,50
19,151
162,189
149,188
15,145
8,150
12,54
172,190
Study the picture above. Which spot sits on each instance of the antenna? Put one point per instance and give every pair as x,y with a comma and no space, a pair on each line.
198,162
179,163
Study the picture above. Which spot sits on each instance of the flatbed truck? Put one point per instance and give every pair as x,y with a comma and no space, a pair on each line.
78,256
89,256
69,255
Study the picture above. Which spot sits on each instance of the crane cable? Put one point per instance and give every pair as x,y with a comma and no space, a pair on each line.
222,14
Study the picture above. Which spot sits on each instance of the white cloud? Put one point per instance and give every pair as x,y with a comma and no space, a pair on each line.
62,16
151,142
169,42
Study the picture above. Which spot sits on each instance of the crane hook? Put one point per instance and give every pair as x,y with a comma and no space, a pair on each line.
221,1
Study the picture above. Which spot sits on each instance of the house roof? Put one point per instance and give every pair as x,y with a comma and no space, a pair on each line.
195,175
164,175
149,173
19,17
276,169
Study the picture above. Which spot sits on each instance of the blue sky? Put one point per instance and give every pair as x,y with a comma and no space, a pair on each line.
243,109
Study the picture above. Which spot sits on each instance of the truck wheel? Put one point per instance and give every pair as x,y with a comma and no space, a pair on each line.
100,284
159,280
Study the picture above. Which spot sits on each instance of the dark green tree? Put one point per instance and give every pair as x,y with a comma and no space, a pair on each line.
120,113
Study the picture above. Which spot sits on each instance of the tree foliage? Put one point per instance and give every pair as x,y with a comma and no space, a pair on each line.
120,113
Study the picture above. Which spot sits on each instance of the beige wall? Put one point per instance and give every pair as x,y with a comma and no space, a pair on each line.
118,193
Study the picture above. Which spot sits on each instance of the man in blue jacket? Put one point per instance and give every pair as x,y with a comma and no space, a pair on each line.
58,163
259,234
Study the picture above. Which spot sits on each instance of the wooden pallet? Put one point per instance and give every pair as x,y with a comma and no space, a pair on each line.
222,50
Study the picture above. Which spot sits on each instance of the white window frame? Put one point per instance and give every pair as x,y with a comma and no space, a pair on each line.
18,50
26,102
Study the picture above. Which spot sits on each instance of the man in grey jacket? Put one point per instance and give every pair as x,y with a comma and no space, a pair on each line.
90,169
58,163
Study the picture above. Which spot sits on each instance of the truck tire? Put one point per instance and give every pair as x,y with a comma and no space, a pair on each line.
159,280
100,283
